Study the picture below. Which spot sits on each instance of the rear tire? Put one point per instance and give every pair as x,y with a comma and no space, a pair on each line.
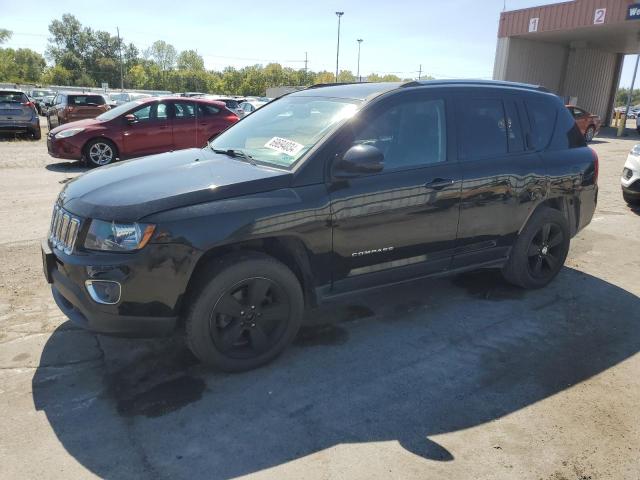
99,152
246,308
36,134
540,250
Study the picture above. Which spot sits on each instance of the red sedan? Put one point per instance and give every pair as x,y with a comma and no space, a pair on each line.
588,123
141,127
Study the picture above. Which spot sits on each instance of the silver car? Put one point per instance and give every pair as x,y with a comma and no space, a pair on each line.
18,114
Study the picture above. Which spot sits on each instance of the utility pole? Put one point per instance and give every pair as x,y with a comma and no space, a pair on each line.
420,72
305,68
629,98
120,50
359,43
339,14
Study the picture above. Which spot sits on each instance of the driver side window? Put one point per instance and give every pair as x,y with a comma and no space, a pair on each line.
143,114
410,134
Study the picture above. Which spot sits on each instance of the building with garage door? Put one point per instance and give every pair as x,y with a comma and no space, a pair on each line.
575,49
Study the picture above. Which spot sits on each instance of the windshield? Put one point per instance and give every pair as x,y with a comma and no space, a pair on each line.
117,111
281,132
41,93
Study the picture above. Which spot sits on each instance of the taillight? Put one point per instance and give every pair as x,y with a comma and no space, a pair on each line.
596,165
28,104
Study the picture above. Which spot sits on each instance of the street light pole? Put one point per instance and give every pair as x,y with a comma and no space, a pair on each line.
359,44
339,14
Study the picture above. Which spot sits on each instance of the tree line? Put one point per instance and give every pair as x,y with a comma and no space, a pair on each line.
84,57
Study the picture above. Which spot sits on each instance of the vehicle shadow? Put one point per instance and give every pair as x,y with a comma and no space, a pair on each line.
400,365
67,167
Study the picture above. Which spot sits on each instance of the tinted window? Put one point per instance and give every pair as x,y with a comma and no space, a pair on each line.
143,113
567,132
86,100
484,128
514,128
207,110
542,117
231,104
410,134
13,97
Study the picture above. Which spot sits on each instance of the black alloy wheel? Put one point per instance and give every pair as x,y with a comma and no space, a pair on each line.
250,318
545,251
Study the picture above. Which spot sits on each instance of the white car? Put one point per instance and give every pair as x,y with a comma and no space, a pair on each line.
631,177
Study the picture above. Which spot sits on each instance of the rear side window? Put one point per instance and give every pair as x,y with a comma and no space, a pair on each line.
207,110
484,128
86,100
567,132
13,97
542,117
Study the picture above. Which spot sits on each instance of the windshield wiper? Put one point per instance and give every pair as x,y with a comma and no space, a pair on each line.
234,153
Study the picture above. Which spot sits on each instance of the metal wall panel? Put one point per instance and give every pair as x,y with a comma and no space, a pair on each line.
589,77
520,60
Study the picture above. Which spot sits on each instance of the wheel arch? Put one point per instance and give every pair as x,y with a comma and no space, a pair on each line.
289,250
566,205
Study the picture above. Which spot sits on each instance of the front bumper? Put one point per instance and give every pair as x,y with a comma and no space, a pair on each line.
66,148
152,288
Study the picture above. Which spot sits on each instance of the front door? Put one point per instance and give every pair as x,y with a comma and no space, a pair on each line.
399,223
151,132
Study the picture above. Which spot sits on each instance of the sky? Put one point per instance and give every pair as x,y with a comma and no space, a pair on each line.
447,39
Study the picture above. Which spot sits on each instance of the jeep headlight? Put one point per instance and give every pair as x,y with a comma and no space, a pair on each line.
118,237
70,132
635,151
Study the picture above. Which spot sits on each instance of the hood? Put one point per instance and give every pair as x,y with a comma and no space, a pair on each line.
87,122
131,190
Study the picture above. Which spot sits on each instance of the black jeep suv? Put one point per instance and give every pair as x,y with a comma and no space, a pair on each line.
323,192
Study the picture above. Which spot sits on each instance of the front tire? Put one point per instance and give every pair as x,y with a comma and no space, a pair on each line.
589,134
36,134
540,250
247,308
99,152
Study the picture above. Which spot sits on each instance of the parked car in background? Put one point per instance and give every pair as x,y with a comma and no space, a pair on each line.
231,103
39,96
322,193
18,114
119,98
630,180
191,94
140,127
588,123
249,106
69,107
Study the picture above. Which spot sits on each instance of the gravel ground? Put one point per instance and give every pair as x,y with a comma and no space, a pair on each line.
453,378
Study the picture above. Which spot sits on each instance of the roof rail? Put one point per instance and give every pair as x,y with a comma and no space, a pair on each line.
318,85
419,83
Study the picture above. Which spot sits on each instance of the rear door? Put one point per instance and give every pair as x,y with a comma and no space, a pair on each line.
151,133
401,222
185,132
56,111
14,107
503,176
211,121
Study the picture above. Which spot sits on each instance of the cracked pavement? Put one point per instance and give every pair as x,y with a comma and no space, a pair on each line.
464,377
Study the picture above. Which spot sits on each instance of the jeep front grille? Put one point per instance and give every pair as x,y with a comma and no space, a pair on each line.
64,230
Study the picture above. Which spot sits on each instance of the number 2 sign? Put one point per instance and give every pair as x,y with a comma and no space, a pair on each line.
533,24
599,15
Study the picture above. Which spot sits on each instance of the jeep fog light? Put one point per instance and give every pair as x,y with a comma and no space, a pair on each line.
106,292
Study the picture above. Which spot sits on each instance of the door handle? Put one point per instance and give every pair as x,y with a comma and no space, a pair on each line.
439,183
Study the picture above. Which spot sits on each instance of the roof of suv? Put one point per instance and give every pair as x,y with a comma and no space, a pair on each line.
364,91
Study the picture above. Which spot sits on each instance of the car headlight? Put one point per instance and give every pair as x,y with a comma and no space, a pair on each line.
118,237
635,151
69,133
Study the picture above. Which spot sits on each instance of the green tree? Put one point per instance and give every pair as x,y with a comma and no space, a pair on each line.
57,75
346,76
190,60
163,54
21,65
4,35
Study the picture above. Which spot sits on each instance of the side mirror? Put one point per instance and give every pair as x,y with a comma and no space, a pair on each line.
47,104
131,118
360,159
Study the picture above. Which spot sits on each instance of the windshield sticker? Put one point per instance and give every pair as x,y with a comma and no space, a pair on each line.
283,145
